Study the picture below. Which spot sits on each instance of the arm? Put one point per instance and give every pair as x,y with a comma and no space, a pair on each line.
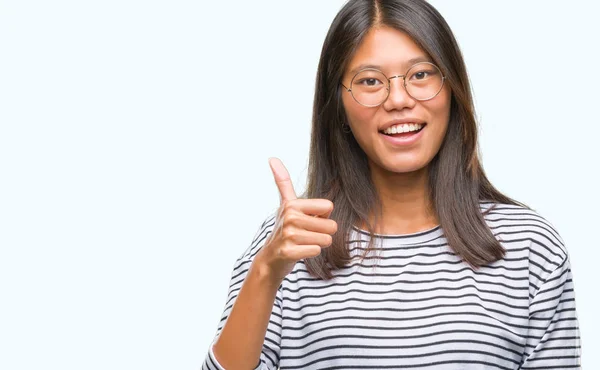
301,229
248,335
242,340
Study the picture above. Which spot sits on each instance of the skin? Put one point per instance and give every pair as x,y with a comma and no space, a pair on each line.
400,174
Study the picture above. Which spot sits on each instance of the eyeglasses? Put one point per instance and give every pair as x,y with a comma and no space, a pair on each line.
370,87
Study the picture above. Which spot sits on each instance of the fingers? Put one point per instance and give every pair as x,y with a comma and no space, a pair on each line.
299,252
319,207
299,234
282,179
316,224
305,237
312,207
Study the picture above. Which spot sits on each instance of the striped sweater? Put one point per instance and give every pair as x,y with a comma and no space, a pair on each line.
416,305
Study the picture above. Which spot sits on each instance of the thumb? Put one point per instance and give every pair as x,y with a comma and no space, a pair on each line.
282,179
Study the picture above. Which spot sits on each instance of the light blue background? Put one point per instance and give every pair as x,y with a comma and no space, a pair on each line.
134,138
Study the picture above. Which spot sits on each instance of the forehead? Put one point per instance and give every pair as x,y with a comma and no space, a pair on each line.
387,48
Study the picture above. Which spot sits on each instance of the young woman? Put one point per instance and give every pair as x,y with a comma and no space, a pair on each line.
401,254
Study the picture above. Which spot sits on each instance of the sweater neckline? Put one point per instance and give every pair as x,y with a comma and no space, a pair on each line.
411,238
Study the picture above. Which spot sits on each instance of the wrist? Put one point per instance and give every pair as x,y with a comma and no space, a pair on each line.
264,274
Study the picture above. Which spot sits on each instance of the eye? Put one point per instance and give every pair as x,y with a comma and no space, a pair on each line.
423,74
368,82
420,75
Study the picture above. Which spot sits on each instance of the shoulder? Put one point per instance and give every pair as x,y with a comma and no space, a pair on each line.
260,237
521,225
244,260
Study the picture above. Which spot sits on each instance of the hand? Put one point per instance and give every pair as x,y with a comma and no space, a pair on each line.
301,229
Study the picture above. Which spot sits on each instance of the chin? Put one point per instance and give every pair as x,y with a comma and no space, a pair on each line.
403,166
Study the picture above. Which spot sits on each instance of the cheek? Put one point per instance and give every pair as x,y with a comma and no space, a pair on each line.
440,110
443,107
359,118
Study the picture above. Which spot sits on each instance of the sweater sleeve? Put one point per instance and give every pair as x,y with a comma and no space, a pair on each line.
553,341
269,358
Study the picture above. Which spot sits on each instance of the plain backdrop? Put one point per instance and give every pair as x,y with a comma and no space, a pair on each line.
134,138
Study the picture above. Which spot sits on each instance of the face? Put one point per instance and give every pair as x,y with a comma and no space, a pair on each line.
390,50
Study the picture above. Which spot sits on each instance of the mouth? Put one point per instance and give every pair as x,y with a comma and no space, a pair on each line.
404,130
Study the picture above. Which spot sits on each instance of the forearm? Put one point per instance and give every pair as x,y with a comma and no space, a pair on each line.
241,340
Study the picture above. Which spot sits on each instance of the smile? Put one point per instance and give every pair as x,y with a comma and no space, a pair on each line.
403,128
403,134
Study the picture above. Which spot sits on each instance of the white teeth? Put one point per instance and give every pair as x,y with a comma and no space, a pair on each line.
403,127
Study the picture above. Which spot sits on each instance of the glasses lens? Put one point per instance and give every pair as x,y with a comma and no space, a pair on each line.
424,81
369,87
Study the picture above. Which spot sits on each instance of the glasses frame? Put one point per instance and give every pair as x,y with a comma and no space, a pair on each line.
389,83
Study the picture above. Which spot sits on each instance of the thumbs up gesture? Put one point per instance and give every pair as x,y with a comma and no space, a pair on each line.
301,229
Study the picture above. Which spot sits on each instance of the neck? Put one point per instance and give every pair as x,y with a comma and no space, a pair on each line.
406,204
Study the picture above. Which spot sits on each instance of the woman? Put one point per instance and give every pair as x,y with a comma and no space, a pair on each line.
401,254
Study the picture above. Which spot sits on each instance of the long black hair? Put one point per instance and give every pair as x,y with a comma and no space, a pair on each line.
338,169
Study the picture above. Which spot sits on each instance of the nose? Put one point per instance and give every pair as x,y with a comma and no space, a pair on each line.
398,97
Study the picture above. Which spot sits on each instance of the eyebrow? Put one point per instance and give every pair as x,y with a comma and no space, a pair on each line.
409,62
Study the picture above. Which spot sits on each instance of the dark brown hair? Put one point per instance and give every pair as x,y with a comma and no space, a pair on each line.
338,169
